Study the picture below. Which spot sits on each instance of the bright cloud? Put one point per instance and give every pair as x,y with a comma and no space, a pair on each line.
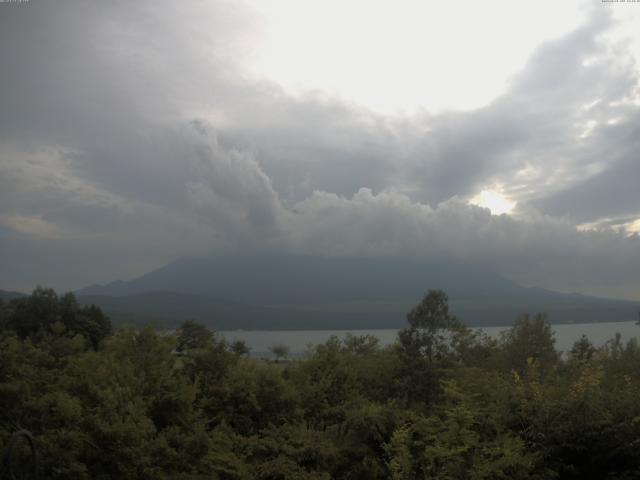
494,201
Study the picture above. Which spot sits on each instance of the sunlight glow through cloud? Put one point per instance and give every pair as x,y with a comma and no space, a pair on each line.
494,201
321,128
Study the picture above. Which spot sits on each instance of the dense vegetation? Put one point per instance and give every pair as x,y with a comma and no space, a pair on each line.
444,402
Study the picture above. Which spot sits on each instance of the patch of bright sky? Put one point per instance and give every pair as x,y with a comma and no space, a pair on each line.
619,224
494,201
633,227
626,34
403,55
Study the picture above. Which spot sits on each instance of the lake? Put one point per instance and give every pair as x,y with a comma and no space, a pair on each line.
260,341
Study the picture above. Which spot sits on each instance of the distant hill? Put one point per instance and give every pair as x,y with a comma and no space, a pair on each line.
167,309
269,280
9,295
303,292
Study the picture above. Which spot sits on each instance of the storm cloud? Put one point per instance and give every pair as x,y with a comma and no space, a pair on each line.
132,134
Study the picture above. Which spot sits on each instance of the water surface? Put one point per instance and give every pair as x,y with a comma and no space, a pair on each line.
299,341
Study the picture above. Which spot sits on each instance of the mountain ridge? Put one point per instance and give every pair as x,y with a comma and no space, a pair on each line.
299,292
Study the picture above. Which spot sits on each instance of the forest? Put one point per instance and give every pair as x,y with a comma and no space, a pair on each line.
81,399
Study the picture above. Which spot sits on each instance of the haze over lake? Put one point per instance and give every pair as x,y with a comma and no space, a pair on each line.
260,341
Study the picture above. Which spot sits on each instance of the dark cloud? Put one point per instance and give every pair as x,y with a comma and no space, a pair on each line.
534,250
131,135
614,190
530,139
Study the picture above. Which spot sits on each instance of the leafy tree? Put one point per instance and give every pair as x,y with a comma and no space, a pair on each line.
32,314
529,338
254,396
280,351
193,335
361,344
472,348
429,324
425,344
292,452
44,313
90,322
582,349
443,402
458,442
240,348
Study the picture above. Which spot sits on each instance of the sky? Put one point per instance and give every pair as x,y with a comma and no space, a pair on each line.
503,134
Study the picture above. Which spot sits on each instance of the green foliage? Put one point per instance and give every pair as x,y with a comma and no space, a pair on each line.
529,339
444,402
240,348
280,351
582,349
429,324
427,345
44,313
193,336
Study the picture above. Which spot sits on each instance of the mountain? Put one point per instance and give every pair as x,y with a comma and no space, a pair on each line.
274,280
168,309
7,295
304,292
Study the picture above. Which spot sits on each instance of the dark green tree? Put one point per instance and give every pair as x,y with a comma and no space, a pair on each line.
240,348
193,335
44,313
430,327
37,312
280,351
530,339
582,349
425,344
